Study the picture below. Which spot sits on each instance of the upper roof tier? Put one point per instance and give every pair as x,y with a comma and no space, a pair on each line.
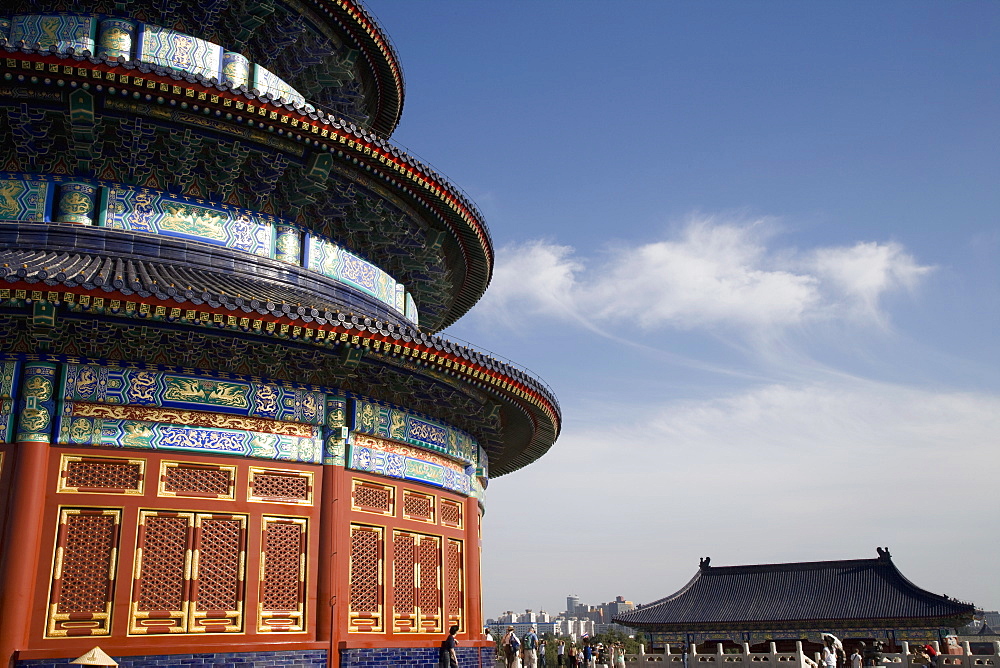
228,145
333,52
827,593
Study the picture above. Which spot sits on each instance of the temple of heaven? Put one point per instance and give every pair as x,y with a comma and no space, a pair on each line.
229,434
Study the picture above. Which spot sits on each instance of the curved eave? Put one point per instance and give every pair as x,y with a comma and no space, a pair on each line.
380,56
529,411
443,205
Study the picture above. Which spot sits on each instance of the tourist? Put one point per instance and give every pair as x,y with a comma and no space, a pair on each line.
542,659
829,654
932,654
530,651
856,658
449,658
617,655
571,657
561,653
588,655
511,646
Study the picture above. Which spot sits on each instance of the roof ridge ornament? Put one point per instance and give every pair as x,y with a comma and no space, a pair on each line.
883,553
703,564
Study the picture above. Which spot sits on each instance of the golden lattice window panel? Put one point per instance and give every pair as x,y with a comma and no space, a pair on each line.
202,481
83,573
373,498
417,506
451,513
404,582
163,560
454,584
101,475
365,606
283,575
281,486
217,574
429,584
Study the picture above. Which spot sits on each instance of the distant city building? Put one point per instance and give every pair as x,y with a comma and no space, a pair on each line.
578,621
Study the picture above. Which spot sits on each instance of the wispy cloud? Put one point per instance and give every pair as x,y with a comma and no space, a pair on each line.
713,273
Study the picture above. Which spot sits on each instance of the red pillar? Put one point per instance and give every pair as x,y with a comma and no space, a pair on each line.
325,595
473,579
21,561
340,560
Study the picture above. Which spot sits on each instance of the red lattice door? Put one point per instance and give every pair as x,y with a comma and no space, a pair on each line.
217,574
282,604
429,584
83,573
161,588
365,608
404,582
454,584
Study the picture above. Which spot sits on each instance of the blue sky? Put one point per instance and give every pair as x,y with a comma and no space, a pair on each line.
753,246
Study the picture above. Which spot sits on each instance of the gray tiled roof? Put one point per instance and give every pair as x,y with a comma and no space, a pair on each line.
769,594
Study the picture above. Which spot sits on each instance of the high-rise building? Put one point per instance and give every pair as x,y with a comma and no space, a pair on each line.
228,431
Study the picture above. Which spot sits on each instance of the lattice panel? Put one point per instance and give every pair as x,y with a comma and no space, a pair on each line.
196,480
83,573
454,571
451,513
280,486
366,601
373,498
418,506
429,583
101,475
283,575
160,592
404,568
217,574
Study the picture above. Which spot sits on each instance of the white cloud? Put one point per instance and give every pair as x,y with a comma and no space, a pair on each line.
862,273
712,274
529,279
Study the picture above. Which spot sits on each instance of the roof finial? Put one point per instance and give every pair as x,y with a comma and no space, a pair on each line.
883,553
703,563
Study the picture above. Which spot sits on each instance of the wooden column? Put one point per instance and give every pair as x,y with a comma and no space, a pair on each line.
22,560
473,571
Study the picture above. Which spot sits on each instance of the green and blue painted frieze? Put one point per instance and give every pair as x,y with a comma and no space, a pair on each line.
385,421
117,38
23,199
9,378
37,404
77,202
169,48
144,210
63,31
